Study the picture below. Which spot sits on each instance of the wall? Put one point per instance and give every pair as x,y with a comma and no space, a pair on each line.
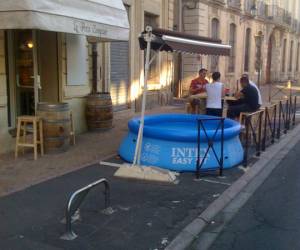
6,140
74,95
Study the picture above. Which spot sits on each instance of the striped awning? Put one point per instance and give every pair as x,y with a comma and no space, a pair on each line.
166,40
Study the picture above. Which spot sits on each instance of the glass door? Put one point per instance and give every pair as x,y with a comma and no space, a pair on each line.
26,72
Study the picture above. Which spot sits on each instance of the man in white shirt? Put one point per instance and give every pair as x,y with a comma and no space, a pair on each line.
254,85
215,93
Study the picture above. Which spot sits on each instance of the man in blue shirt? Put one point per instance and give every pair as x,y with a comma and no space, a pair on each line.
248,100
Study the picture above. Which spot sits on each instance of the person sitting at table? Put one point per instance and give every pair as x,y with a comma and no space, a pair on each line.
215,92
255,86
197,87
247,100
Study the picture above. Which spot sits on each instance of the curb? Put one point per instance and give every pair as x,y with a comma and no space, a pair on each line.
275,152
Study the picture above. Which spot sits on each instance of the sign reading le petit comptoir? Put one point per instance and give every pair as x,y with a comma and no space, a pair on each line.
87,28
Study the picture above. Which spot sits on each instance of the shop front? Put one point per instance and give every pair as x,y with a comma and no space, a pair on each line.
44,54
30,53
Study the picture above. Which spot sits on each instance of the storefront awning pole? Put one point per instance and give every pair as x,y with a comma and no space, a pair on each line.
138,148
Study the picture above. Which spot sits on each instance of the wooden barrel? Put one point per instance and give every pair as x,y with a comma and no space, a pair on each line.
56,126
99,113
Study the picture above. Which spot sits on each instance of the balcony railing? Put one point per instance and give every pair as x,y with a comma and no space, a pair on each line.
261,9
275,14
249,6
294,25
235,4
287,18
219,2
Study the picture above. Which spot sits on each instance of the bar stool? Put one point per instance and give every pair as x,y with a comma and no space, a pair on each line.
36,130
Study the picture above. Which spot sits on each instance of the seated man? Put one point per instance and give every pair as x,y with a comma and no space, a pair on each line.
247,100
197,87
254,85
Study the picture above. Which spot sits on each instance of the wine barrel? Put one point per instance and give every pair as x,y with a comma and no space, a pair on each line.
99,113
56,126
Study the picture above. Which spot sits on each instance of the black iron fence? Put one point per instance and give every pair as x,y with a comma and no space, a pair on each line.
260,129
263,127
210,139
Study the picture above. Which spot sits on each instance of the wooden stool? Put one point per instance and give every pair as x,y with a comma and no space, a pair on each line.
37,131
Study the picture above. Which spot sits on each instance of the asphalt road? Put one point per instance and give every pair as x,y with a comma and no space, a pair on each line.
271,217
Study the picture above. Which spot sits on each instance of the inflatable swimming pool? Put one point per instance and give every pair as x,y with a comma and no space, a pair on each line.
170,141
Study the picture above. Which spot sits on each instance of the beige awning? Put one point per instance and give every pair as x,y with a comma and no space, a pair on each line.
106,19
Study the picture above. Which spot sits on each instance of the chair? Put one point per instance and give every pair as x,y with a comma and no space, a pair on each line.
29,124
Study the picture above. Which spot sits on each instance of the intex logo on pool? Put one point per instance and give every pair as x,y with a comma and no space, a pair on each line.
187,155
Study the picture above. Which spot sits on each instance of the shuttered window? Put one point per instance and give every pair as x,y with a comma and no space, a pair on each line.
119,73
297,57
291,56
247,50
283,56
214,34
153,73
232,42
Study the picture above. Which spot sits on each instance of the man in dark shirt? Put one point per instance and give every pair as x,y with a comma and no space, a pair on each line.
247,100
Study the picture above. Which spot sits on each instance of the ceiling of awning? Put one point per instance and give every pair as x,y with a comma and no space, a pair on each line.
106,19
166,40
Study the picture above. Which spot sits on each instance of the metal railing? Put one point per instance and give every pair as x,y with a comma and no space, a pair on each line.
264,126
76,200
269,126
253,133
210,144
282,118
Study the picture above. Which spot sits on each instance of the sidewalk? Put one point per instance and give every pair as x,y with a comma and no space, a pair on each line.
17,174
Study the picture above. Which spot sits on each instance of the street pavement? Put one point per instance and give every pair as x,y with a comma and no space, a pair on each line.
145,215
270,219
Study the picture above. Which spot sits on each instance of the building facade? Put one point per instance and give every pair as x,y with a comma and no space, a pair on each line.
264,36
64,66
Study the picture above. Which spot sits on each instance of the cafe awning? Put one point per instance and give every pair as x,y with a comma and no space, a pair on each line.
166,40
106,19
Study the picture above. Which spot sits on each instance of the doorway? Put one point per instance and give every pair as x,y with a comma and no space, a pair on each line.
32,70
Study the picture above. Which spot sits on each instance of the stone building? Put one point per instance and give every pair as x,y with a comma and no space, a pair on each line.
53,63
264,36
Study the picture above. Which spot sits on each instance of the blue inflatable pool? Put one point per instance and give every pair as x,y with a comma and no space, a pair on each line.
170,141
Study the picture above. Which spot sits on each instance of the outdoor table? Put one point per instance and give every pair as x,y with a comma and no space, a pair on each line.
203,97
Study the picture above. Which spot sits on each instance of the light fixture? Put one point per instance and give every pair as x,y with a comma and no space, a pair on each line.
253,10
253,13
30,44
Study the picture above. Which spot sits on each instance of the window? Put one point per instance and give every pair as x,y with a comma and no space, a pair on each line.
297,58
232,42
153,74
77,65
247,50
214,34
291,57
283,56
